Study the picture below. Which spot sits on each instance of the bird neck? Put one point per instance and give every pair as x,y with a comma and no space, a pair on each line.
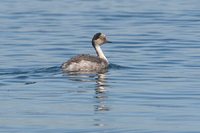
100,53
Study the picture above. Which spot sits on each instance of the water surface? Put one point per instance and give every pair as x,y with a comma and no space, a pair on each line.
152,84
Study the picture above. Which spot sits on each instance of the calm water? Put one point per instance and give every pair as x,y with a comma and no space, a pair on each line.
152,86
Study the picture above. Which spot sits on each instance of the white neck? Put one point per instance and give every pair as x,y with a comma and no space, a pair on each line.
100,53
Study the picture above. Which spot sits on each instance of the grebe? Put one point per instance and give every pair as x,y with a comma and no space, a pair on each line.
88,63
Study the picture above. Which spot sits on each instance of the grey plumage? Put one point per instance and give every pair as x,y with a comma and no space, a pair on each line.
92,63
87,63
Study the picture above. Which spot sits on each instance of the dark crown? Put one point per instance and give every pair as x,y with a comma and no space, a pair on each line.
96,36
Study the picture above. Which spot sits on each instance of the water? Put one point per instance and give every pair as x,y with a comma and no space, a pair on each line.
152,84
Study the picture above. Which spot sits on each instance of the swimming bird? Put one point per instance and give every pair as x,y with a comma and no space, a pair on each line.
88,63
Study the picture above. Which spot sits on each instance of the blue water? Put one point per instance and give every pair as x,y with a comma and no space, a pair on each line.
152,85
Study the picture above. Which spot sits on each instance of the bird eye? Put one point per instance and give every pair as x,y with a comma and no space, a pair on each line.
102,38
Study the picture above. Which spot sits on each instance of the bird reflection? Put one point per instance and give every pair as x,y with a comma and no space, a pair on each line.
101,94
100,89
101,99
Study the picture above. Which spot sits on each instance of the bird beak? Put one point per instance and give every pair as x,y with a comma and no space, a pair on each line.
108,42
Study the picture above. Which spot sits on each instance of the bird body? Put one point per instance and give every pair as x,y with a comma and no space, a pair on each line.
85,63
88,63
